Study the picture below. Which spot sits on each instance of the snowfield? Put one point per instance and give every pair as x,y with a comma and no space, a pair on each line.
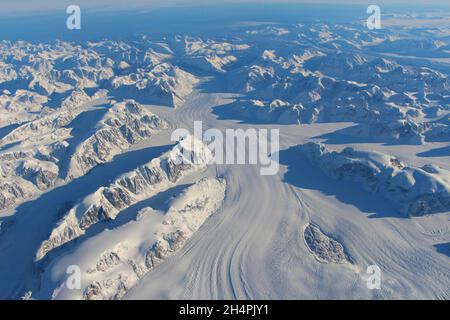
92,185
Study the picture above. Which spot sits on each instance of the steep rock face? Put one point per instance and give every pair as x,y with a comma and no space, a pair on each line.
381,72
107,261
47,85
42,174
132,70
126,123
24,176
338,65
438,130
55,68
145,181
123,55
194,207
46,120
34,168
111,288
416,191
12,192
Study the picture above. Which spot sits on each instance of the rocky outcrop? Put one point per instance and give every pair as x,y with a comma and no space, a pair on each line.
324,248
12,192
108,260
114,288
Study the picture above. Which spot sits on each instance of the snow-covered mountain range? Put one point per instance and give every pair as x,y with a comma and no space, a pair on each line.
89,177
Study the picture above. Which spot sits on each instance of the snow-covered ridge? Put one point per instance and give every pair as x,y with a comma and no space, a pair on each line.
66,108
277,111
114,261
210,55
415,191
143,182
388,100
20,106
124,124
137,70
162,84
49,121
44,147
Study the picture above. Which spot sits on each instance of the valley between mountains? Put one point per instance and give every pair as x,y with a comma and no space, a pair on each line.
89,177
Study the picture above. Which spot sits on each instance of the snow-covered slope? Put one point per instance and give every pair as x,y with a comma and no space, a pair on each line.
124,124
210,55
113,261
43,150
107,202
21,106
416,191
162,84
384,97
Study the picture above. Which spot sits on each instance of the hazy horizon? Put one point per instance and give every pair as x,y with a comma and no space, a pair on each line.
14,7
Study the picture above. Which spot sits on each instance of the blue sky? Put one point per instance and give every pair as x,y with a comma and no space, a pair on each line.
27,6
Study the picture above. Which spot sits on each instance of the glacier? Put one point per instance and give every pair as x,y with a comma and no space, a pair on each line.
90,178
